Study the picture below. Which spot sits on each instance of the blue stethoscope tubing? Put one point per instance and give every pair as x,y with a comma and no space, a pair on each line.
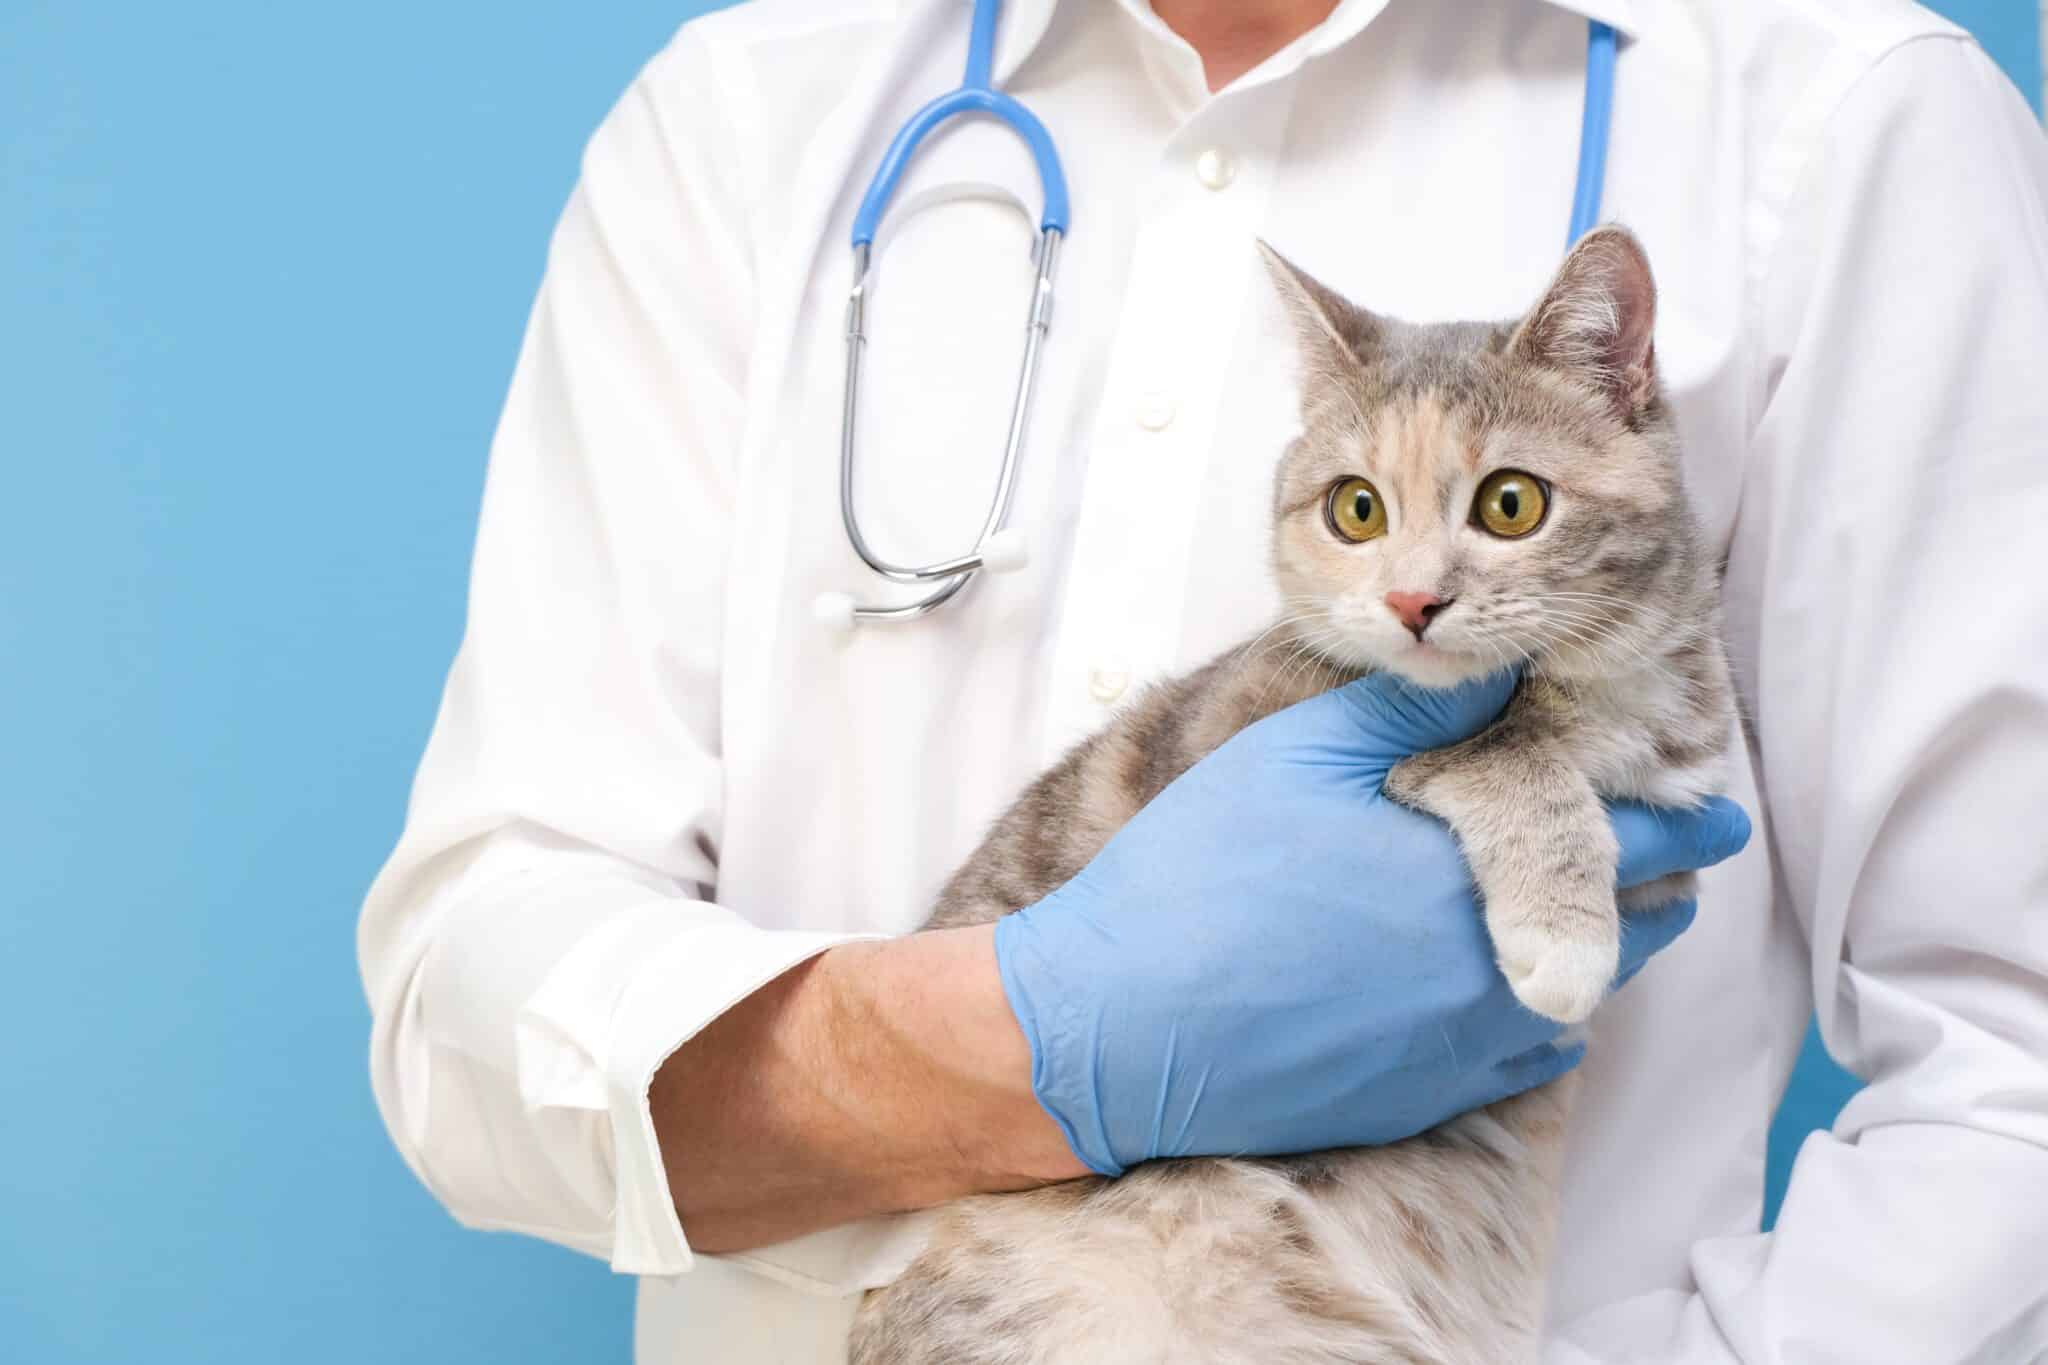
1000,547
977,95
1595,118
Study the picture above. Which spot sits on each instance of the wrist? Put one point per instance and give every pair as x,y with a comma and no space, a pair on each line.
948,1066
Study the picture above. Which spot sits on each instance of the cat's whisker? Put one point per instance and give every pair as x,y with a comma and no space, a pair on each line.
1592,640
1306,653
1618,634
1258,641
1504,655
1587,637
1582,615
1665,622
1316,608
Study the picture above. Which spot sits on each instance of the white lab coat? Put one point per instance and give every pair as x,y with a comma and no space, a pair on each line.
655,783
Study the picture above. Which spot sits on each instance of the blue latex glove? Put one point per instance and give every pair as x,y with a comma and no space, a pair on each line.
1274,957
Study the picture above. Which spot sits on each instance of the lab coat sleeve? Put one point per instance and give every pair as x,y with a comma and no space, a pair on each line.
544,934
1888,609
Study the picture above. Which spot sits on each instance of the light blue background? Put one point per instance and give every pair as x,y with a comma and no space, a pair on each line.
263,270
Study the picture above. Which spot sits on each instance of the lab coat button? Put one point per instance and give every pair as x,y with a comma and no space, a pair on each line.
1215,168
1155,412
1107,684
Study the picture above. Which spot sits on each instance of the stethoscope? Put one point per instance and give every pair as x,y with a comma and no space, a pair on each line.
999,547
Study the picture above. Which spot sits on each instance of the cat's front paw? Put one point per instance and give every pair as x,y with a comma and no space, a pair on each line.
1559,961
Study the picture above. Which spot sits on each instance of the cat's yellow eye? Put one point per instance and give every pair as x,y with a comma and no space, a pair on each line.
1355,511
1510,503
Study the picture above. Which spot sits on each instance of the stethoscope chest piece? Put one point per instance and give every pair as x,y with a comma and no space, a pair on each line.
1003,551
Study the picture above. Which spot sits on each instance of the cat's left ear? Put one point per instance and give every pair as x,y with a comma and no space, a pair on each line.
1596,320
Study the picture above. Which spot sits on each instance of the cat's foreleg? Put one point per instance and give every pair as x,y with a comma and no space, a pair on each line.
1541,850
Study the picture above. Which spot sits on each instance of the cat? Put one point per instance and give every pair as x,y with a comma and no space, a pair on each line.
1462,496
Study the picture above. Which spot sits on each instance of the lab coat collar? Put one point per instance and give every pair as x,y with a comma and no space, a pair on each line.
1024,23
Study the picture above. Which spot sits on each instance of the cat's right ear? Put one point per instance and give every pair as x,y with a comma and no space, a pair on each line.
1334,334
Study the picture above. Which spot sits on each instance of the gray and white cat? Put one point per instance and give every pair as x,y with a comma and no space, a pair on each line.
1464,496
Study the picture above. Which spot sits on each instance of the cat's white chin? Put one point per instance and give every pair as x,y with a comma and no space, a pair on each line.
1428,665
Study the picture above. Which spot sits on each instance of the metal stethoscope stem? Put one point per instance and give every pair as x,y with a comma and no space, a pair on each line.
997,548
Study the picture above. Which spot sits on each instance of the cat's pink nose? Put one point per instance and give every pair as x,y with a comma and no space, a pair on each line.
1416,609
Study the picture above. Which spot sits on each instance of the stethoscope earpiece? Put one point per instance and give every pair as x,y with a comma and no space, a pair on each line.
1006,551
833,611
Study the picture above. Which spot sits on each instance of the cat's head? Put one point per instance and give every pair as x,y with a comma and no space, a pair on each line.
1465,496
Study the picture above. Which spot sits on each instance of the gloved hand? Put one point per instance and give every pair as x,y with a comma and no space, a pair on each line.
1274,957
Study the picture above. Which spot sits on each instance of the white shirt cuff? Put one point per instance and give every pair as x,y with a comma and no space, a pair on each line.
613,1010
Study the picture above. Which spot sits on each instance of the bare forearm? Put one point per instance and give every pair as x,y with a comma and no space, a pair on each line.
873,1078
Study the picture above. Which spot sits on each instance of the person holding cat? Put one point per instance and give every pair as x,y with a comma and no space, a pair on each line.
1276,811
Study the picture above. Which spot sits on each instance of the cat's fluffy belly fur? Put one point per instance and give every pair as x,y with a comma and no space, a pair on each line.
1424,1252
1431,1251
